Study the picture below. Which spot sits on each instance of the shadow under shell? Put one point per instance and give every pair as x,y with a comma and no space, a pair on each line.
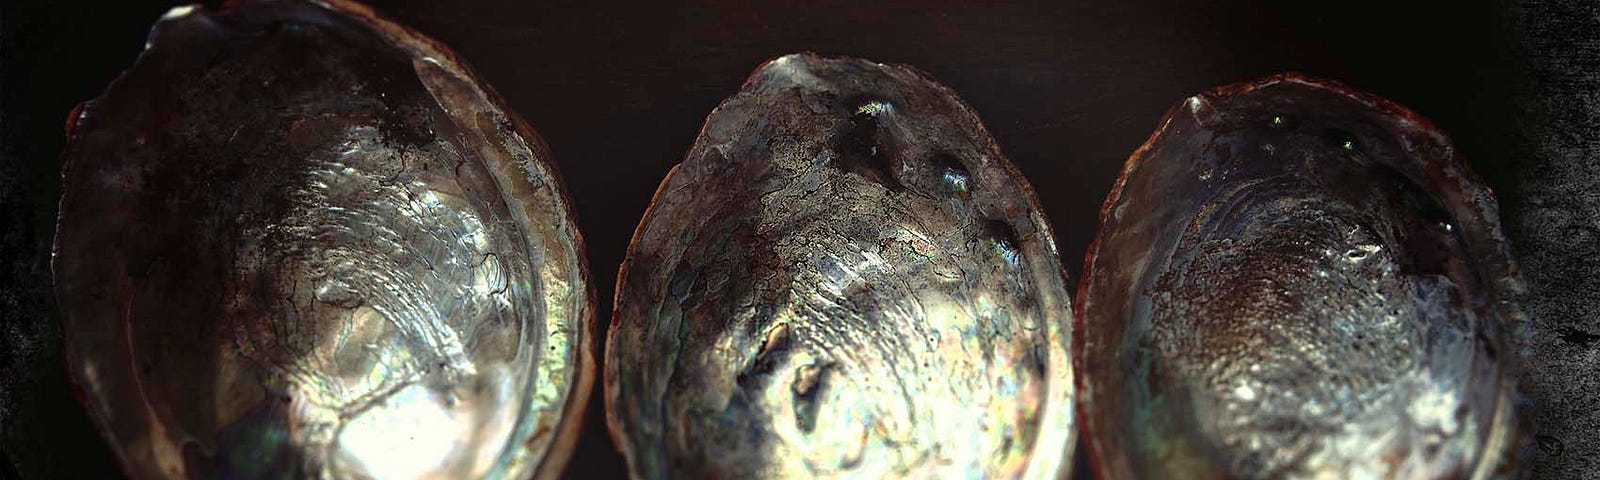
298,240
843,277
1296,280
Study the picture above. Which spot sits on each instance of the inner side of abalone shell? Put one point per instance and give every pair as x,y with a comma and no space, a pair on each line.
312,271
1304,305
841,279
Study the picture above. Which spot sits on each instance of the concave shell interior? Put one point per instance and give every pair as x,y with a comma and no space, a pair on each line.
844,277
1297,280
299,240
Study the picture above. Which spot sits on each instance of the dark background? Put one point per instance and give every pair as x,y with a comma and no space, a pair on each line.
1068,89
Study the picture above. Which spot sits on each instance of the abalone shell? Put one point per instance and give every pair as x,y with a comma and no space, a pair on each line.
300,241
843,278
1297,280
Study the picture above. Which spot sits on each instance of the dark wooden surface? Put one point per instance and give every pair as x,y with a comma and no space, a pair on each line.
618,91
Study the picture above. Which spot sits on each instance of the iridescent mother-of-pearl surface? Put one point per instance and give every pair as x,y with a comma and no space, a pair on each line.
844,278
298,240
1296,280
